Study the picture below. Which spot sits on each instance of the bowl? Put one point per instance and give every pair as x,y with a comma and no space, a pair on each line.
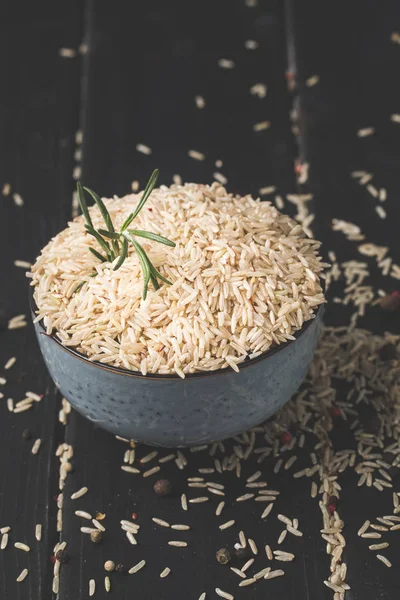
165,410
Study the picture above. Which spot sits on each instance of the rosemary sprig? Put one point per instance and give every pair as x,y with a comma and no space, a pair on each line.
114,243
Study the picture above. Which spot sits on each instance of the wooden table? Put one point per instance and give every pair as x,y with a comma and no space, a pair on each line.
134,81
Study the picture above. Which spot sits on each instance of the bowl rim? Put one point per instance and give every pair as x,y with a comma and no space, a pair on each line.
172,376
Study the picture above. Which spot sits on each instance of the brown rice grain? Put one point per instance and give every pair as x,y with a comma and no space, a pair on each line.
137,567
22,575
384,560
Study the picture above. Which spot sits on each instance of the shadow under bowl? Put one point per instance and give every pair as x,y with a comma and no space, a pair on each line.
165,410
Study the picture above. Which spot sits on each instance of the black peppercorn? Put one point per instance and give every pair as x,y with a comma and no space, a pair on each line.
26,435
241,552
388,352
62,557
223,556
119,568
162,487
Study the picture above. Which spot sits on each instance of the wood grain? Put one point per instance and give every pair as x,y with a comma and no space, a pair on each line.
38,120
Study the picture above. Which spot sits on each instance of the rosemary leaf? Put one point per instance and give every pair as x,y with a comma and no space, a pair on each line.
147,191
152,236
82,283
144,263
154,281
78,287
102,208
155,273
124,254
109,234
102,243
83,205
115,245
98,255
153,270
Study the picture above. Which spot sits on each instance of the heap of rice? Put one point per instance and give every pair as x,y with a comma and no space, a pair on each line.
245,278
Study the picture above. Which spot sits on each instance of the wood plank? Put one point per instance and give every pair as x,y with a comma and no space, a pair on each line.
355,59
149,98
38,119
140,88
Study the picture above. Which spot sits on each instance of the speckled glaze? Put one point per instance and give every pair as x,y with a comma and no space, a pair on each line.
165,410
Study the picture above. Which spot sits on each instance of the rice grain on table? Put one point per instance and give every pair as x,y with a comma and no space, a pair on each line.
22,264
167,458
137,567
83,514
238,572
165,572
378,546
223,594
130,469
226,63
384,560
6,189
98,525
227,525
36,446
79,493
177,543
199,500
380,211
199,101
196,155
253,546
131,538
220,177
366,131
251,45
269,189
247,582
18,201
67,52
88,530
231,245
219,508
107,583
92,587
38,532
143,149
247,565
4,541
294,531
313,80
261,126
282,536
151,471
258,89
160,522
268,552
184,502
22,575
21,546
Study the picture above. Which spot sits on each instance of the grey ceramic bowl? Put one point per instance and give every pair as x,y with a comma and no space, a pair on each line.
166,410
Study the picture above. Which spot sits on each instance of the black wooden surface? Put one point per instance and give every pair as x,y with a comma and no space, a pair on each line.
136,84
38,120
